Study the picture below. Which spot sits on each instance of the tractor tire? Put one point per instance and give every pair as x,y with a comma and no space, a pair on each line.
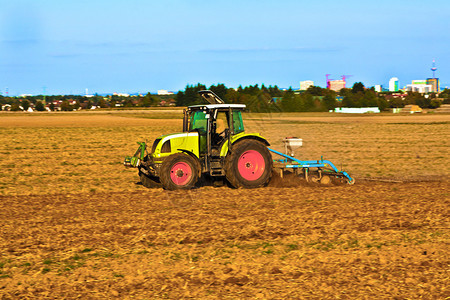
249,165
149,181
179,171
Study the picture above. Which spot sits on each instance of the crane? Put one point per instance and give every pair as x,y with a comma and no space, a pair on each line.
344,77
328,80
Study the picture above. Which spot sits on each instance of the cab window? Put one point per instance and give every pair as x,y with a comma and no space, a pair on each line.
238,125
221,122
198,121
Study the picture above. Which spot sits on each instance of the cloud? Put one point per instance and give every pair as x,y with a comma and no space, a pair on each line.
23,42
267,50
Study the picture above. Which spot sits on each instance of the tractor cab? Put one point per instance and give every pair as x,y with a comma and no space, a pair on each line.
215,125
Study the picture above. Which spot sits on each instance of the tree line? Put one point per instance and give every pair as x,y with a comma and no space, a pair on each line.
314,99
256,98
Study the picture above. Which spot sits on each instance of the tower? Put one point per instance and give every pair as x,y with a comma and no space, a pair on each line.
344,78
433,68
434,82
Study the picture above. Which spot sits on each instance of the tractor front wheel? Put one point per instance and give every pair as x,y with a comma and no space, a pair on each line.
179,171
249,165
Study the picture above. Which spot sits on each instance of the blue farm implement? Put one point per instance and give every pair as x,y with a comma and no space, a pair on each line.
317,171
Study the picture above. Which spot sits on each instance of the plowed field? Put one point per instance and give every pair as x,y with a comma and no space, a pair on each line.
76,225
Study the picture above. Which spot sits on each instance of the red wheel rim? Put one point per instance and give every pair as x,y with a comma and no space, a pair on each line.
251,165
181,173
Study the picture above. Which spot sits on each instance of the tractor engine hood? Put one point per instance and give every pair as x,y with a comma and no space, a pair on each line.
168,144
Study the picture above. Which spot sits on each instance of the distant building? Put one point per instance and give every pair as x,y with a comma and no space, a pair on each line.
304,85
357,110
393,84
378,88
164,92
419,86
434,82
337,85
418,82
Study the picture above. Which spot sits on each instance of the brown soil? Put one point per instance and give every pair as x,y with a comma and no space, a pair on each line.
75,225
369,240
84,120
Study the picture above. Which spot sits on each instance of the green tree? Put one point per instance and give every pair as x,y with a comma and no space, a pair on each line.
190,96
149,100
251,89
233,96
25,104
350,101
329,102
77,105
417,99
382,103
290,102
128,103
316,91
146,101
308,102
220,90
358,87
369,99
260,103
275,91
65,106
445,94
15,106
102,103
434,103
39,106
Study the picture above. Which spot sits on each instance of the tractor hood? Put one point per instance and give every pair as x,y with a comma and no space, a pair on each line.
168,144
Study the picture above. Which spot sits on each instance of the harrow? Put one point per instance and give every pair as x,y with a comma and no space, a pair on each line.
317,171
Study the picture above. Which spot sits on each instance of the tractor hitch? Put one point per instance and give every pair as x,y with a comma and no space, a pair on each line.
135,160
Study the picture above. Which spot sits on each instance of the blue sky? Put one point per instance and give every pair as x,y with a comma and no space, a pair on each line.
140,46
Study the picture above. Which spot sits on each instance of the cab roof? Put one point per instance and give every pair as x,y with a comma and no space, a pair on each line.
217,106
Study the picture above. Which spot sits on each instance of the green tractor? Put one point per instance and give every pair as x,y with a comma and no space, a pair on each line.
212,147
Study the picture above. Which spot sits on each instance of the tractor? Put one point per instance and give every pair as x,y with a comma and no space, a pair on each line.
213,146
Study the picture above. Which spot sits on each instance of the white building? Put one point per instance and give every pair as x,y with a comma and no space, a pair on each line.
378,88
164,92
393,84
420,86
357,110
304,85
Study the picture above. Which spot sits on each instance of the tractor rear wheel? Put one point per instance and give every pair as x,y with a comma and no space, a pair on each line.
249,165
179,171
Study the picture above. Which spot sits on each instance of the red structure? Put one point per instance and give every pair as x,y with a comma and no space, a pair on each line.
344,77
328,80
